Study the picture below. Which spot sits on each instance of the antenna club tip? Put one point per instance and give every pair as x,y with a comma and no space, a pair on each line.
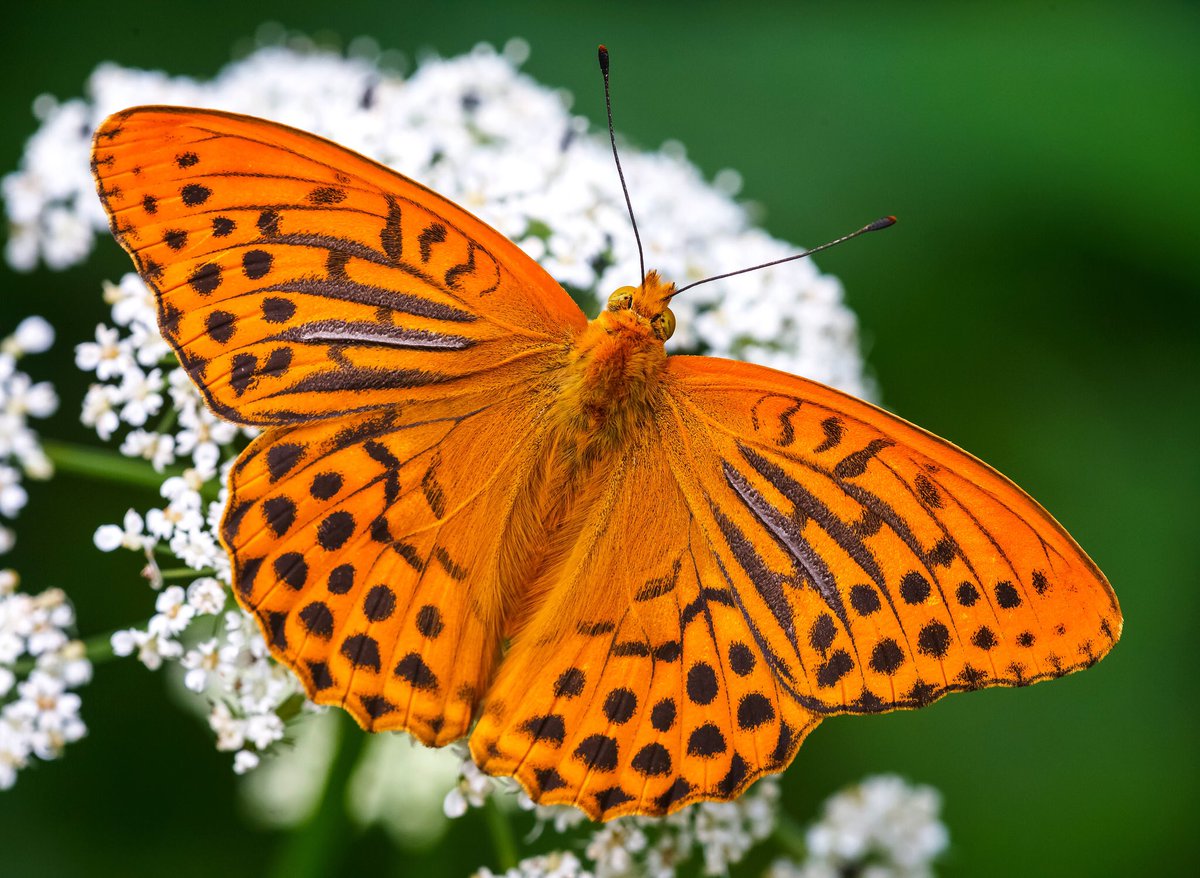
882,223
603,54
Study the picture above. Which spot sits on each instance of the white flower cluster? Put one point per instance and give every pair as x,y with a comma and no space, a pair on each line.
39,665
146,399
137,377
20,399
473,788
218,647
495,141
720,832
558,864
196,627
881,828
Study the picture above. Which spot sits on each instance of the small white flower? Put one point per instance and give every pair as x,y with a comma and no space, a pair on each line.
197,549
132,301
152,649
124,642
455,804
34,335
229,729
162,523
200,662
471,790
158,448
148,345
110,537
614,848
557,864
244,761
263,730
45,623
20,397
106,356
15,748
99,410
206,596
184,491
67,238
12,495
140,393
174,612
69,664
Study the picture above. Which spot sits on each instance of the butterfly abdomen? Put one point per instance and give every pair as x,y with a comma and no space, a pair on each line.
606,393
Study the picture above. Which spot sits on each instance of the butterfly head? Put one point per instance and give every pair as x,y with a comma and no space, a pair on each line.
649,302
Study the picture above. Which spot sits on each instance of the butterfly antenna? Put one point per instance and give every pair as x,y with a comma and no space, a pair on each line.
881,223
612,137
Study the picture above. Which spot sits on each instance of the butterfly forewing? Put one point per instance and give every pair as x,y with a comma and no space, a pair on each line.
886,567
298,280
399,343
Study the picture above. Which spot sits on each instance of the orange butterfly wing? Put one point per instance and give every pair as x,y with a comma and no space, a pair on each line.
371,551
298,280
769,552
640,685
884,566
397,345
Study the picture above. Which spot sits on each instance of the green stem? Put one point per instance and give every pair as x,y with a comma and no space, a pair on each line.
790,836
168,420
98,648
100,463
314,847
110,466
502,835
184,573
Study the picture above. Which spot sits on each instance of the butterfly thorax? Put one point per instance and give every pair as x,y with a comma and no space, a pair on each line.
611,379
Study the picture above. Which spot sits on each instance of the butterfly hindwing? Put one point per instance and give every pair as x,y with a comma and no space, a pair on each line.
639,686
886,566
298,280
367,546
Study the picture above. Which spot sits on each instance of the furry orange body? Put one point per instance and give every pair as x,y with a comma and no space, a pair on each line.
600,397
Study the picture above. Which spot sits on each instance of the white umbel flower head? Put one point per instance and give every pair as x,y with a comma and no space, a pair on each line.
483,134
21,399
39,711
883,827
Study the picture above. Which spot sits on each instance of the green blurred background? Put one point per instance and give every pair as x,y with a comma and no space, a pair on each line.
1037,304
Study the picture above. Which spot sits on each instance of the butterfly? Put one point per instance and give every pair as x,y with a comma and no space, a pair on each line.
635,580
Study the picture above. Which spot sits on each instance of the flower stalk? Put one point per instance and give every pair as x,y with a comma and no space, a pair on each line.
314,846
501,832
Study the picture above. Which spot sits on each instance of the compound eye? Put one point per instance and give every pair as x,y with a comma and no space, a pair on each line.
664,324
622,299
